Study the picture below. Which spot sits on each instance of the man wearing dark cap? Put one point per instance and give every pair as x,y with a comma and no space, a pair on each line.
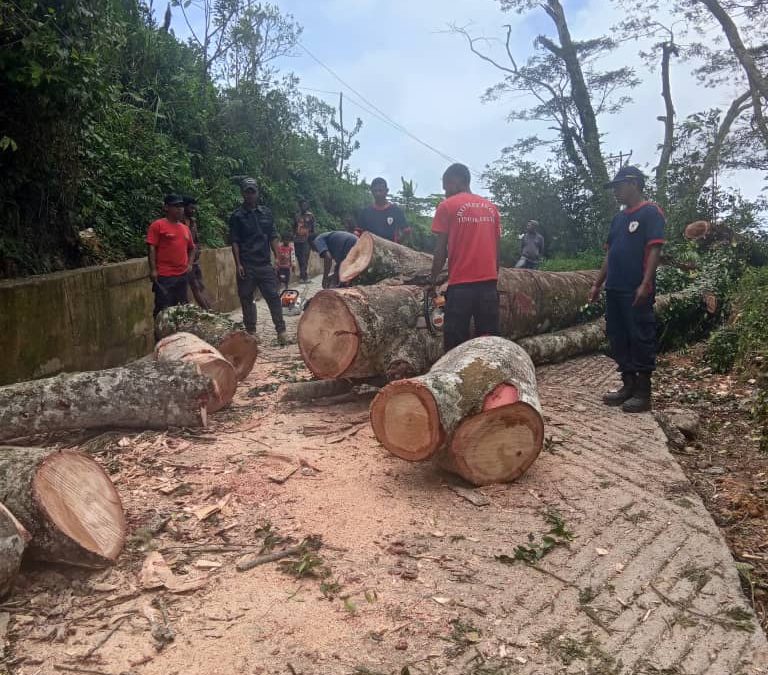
252,235
468,229
629,272
382,218
196,283
170,255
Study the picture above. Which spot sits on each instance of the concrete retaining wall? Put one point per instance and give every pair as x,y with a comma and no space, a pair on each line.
91,318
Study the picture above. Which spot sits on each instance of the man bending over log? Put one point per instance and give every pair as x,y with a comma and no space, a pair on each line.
468,230
629,272
252,234
333,247
170,260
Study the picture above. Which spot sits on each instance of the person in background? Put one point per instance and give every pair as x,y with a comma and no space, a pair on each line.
196,283
382,218
468,229
252,234
284,260
303,229
351,226
333,247
531,246
170,255
633,250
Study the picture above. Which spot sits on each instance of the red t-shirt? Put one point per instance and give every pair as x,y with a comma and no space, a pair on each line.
173,242
474,227
284,256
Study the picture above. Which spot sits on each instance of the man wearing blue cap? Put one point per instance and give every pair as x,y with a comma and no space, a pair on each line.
633,249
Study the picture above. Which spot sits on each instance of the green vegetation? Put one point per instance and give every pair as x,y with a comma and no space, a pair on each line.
105,110
585,260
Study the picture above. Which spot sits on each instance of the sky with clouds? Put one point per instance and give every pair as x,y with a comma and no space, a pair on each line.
400,55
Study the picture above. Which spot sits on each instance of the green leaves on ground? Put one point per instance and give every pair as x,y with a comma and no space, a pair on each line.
558,535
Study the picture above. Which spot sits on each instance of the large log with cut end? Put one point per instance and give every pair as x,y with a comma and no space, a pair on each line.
143,395
13,540
67,503
185,347
229,337
373,260
478,408
375,330
365,331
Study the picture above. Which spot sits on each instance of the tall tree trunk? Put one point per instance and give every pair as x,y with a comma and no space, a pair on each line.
580,93
738,106
668,49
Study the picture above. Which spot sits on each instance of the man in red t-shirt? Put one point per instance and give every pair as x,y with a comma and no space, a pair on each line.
170,260
468,230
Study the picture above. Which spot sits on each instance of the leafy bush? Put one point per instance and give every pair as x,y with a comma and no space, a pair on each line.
586,260
721,349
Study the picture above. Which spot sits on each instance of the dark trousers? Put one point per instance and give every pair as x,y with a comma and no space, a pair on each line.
631,332
262,277
169,291
301,249
464,302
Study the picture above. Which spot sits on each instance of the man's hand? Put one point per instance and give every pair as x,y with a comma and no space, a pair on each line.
642,294
594,294
153,276
241,271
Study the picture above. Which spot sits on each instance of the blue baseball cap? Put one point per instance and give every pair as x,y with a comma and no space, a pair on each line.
625,174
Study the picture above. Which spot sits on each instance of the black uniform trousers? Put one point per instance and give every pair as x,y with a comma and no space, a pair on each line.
263,278
170,291
631,332
301,248
465,302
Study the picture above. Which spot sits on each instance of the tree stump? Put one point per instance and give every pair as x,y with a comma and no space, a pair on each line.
185,347
230,338
13,541
67,503
143,395
477,409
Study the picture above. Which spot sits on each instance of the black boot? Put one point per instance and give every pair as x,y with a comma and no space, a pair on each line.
641,395
624,394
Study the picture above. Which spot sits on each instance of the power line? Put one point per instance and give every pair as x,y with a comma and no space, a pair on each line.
381,113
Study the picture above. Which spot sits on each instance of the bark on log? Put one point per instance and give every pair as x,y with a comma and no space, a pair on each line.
67,503
373,260
305,392
567,343
374,330
13,540
235,344
143,395
185,347
478,407
366,331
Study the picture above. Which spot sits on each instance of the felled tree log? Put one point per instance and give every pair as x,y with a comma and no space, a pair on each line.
143,395
565,344
365,331
67,503
374,330
304,392
13,540
478,407
373,260
185,347
235,344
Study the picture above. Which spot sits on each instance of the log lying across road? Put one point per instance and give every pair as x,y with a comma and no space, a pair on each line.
374,330
188,348
66,501
219,331
477,409
141,395
373,260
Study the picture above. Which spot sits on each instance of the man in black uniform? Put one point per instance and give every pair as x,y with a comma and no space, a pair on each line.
629,272
382,218
252,234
